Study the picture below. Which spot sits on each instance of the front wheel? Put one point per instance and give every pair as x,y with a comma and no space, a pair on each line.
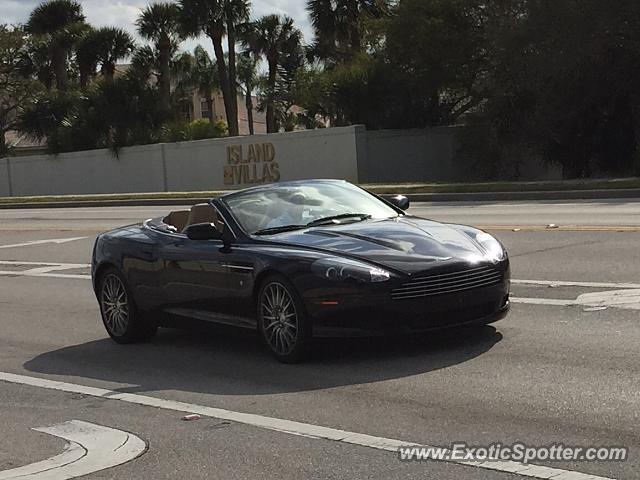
123,322
282,321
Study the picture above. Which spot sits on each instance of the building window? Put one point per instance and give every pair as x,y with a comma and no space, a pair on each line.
185,111
204,108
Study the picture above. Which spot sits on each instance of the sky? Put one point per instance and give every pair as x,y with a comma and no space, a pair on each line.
123,13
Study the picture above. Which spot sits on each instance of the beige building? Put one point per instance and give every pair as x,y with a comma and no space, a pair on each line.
198,108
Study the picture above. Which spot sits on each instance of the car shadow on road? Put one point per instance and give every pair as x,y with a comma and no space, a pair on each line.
235,363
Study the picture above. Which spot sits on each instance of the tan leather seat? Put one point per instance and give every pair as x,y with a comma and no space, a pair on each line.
177,219
204,213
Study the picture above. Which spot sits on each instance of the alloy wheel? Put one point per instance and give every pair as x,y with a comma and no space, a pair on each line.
279,318
115,305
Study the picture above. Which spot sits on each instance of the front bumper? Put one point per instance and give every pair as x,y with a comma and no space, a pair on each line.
376,313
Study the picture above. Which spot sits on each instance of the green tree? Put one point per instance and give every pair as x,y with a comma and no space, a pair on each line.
37,56
436,49
17,89
561,84
61,23
87,57
160,23
104,47
274,37
113,44
339,26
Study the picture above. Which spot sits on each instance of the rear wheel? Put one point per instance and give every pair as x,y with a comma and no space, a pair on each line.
282,320
121,319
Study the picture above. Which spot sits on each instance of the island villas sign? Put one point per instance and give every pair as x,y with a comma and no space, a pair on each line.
251,164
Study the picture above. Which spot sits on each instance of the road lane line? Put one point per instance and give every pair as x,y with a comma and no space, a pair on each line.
91,448
562,228
43,242
47,264
44,269
288,426
559,283
4,273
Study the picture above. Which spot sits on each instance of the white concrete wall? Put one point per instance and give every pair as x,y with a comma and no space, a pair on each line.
137,169
350,153
185,166
325,153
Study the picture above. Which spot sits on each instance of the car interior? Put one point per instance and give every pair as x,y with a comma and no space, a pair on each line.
180,220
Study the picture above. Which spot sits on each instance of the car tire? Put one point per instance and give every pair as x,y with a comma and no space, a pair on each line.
283,323
122,320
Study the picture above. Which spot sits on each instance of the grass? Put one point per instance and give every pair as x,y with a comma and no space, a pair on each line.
402,188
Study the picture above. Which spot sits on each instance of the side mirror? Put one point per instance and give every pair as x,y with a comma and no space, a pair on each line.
399,201
203,231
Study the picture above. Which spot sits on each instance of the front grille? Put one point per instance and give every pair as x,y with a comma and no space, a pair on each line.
429,285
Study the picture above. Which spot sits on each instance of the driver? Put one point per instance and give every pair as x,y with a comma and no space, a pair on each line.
293,207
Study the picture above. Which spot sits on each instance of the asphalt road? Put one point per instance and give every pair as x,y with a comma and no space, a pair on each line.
554,371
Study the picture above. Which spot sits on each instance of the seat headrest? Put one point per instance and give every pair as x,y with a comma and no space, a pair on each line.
204,213
177,219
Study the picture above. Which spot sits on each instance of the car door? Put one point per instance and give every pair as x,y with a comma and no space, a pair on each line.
208,281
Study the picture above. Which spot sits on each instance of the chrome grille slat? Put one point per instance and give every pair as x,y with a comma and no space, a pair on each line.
438,291
453,274
447,282
424,286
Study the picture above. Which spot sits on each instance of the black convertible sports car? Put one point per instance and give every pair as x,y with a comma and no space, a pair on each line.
297,260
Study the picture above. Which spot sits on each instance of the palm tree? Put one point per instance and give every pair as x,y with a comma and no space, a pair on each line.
217,19
338,25
236,13
113,45
198,73
248,78
62,23
87,57
38,60
143,65
273,36
160,23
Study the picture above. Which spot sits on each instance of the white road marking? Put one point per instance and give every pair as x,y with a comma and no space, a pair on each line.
68,265
91,448
42,242
44,269
560,283
288,426
4,273
72,453
628,299
542,301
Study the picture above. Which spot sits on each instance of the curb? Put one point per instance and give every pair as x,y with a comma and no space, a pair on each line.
515,196
632,193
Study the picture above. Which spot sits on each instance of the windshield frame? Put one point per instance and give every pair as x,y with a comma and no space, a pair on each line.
224,199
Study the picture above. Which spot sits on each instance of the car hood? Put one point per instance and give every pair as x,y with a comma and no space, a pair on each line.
406,244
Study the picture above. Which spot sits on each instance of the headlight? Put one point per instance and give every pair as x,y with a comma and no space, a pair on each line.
343,269
494,249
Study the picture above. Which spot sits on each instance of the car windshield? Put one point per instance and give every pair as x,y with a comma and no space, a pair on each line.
273,209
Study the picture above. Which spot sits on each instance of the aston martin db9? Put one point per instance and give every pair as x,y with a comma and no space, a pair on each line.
298,260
